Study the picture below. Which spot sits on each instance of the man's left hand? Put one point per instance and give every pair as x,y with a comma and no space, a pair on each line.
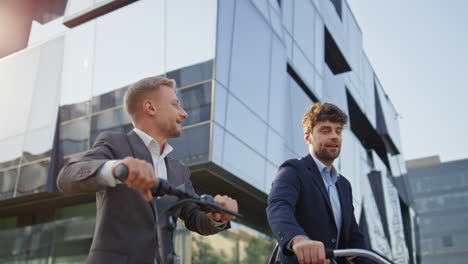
227,203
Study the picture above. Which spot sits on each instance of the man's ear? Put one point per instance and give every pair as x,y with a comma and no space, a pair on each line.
307,138
149,107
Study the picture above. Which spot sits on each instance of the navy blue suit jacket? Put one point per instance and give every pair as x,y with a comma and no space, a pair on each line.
299,204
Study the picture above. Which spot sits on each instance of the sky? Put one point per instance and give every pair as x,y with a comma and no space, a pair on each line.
419,51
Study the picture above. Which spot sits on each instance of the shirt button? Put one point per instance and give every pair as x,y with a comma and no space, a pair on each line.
333,240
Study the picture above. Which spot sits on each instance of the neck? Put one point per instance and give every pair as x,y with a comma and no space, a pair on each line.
327,163
161,140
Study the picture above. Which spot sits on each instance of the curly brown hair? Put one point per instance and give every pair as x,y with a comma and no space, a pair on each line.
320,112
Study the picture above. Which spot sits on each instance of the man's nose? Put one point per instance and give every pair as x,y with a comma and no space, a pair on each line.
183,114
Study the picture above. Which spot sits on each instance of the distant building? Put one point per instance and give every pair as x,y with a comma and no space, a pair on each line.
440,192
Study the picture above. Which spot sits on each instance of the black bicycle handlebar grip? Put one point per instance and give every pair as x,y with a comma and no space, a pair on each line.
121,172
329,254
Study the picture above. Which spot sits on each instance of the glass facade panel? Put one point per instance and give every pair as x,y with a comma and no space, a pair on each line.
243,162
191,22
17,87
245,125
116,121
304,27
77,6
196,101
300,102
33,178
108,100
7,183
250,55
191,151
38,144
72,111
78,67
279,106
192,74
11,151
74,136
224,40
112,55
220,104
45,101
217,144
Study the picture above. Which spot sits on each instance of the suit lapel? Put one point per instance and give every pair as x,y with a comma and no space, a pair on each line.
140,151
317,178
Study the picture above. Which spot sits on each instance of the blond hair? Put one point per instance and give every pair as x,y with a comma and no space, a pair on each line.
137,92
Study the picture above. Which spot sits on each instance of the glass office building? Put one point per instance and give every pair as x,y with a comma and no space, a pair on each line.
246,72
441,201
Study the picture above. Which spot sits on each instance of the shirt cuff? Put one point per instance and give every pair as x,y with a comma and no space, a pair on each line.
105,176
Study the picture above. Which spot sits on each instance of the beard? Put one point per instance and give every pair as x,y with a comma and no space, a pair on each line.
172,131
324,154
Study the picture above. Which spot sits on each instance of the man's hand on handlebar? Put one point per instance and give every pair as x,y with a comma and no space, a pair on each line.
140,176
225,202
309,251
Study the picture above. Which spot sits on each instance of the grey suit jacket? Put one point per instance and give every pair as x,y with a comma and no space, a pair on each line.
125,223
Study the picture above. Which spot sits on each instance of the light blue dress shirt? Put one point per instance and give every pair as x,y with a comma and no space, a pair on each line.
330,177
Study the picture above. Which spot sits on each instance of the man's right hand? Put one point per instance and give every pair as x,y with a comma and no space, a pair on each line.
140,176
309,251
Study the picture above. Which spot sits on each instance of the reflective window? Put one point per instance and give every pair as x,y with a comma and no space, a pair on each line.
116,120
78,64
45,101
11,151
76,6
304,26
243,161
250,54
193,146
192,74
220,103
190,32
278,152
224,40
74,136
319,44
300,102
245,125
108,100
117,65
271,171
38,144
72,111
33,178
196,101
17,87
7,183
279,107
287,8
217,144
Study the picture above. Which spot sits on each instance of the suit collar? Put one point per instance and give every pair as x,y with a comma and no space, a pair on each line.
138,147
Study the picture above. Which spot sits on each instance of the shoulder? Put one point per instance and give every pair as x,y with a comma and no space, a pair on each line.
109,137
343,181
291,169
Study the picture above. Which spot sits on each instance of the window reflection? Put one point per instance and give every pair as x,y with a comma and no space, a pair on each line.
11,149
108,100
72,111
74,136
33,178
197,103
192,147
192,74
38,144
7,183
116,120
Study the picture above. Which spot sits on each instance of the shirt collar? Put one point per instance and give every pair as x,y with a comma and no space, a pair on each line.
322,168
152,144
